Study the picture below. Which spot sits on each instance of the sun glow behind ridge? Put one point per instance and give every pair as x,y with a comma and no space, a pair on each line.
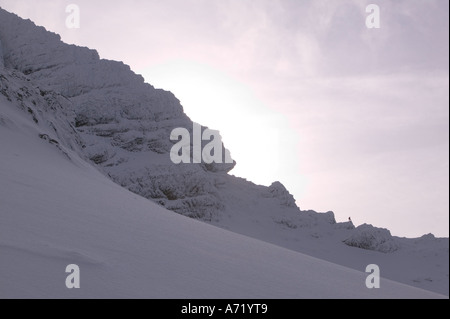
252,132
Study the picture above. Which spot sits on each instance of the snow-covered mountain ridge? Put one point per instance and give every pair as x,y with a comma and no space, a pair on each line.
104,113
55,211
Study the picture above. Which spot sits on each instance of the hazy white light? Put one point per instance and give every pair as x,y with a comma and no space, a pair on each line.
252,132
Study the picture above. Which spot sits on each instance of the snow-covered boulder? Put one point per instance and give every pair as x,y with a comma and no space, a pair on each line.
372,238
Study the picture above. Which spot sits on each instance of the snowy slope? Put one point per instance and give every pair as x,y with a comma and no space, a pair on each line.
58,210
97,111
421,262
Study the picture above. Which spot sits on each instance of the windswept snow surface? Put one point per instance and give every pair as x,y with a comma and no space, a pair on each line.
58,210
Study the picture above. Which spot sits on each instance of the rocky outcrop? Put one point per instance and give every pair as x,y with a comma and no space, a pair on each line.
278,191
111,117
50,111
372,238
124,122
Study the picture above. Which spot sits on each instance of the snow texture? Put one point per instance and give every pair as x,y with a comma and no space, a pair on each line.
2,64
372,238
64,107
125,122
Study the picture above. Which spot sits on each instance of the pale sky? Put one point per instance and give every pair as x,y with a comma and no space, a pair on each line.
349,119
